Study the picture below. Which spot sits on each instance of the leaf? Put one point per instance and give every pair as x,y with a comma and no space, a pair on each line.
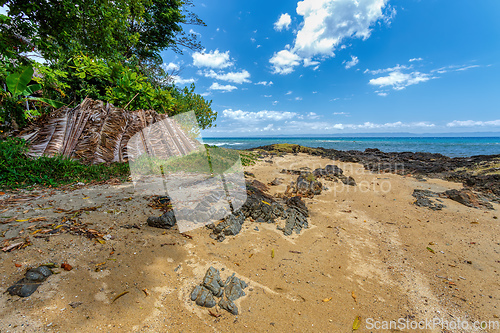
354,296
51,102
430,250
30,90
357,323
17,82
327,299
272,253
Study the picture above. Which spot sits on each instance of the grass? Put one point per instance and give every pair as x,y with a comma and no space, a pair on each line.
289,148
17,170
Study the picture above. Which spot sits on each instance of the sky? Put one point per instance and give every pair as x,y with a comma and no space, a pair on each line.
345,66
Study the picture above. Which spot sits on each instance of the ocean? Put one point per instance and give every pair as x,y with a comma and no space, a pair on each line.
449,146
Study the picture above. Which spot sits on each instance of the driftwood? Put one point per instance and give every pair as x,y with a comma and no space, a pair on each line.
97,132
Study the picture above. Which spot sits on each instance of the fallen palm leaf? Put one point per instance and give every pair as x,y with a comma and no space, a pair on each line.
327,299
354,296
272,253
430,250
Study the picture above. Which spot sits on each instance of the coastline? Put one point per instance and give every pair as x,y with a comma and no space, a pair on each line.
365,253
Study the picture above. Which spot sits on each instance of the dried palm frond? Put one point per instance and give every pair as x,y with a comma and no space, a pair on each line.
95,132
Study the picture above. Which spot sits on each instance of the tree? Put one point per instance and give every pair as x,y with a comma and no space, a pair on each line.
106,29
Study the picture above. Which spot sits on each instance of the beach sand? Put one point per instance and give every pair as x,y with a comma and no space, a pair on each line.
366,253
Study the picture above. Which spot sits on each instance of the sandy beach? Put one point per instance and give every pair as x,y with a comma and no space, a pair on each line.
368,252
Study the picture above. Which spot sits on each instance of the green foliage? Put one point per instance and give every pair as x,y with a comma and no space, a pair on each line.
107,29
19,171
17,82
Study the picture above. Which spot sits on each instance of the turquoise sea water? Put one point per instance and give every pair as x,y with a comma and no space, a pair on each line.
449,146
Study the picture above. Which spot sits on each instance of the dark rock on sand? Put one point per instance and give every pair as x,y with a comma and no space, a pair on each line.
213,282
468,198
203,297
347,180
31,281
262,208
213,286
234,288
423,200
276,181
166,221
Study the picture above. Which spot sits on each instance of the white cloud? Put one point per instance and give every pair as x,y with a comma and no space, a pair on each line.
351,63
454,68
312,115
298,98
224,88
472,123
415,59
212,59
341,113
265,83
327,23
381,93
170,67
178,80
252,39
284,62
236,77
289,93
191,31
275,102
267,96
283,22
398,80
263,115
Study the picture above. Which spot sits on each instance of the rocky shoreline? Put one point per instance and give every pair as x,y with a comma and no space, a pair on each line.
480,173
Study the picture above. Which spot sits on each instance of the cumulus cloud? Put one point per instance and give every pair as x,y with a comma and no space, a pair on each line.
170,67
472,123
351,63
283,22
263,115
284,62
327,23
415,59
235,77
223,88
212,59
398,80
179,80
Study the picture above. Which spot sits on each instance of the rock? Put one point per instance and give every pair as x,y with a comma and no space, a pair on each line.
468,198
203,297
329,172
423,200
213,282
213,286
347,180
276,181
234,288
31,281
229,306
262,208
166,221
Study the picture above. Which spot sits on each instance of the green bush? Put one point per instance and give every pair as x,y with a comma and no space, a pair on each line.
17,170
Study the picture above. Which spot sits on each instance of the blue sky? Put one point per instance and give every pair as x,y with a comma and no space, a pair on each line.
346,66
